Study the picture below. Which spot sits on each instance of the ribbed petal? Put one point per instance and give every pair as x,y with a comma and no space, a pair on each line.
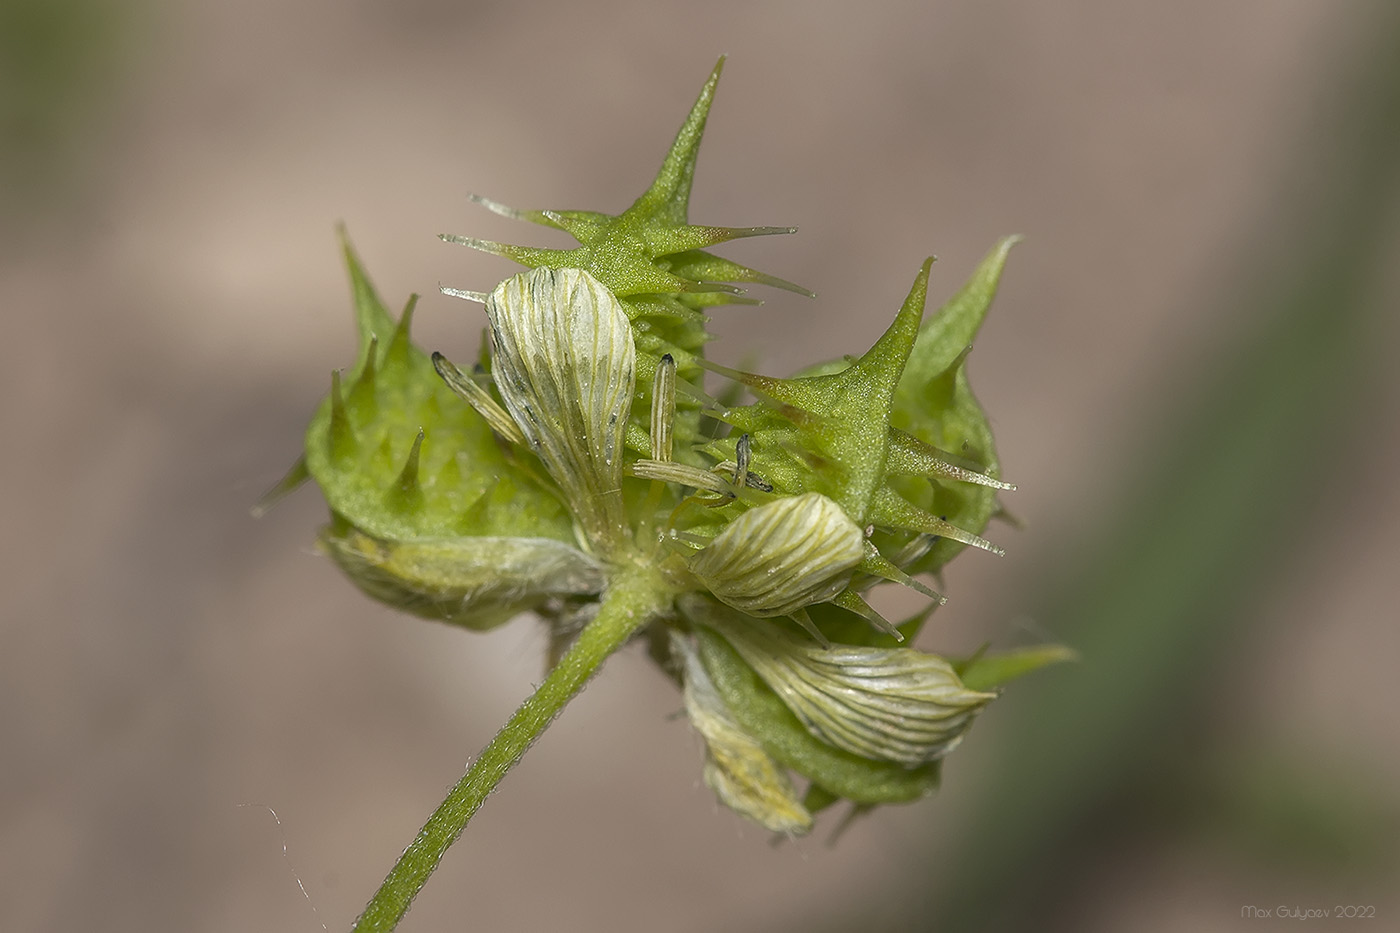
782,556
564,361
889,704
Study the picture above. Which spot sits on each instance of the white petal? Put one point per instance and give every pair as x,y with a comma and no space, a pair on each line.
782,556
889,704
564,361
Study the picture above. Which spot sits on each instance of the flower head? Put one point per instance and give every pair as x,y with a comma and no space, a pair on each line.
581,455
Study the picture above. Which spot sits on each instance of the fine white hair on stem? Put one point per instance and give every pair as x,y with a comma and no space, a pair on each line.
281,831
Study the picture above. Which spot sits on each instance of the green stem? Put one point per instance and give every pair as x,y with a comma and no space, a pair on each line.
630,602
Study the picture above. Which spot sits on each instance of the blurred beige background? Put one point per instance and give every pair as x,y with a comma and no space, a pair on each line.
173,302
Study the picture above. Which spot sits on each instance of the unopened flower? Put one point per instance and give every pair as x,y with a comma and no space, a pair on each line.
780,557
478,582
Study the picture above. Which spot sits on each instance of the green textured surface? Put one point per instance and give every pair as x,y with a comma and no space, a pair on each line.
466,482
656,263
428,503
934,403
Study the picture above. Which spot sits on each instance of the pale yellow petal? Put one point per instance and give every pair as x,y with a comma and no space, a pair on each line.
744,777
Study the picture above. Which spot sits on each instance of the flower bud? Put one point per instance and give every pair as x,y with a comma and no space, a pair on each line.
781,557
477,582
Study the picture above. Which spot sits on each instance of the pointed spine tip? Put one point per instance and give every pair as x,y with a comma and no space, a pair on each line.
911,456
407,317
371,359
707,92
959,360
340,437
406,487
851,601
919,289
486,246
717,235
478,297
362,393
891,510
707,288
765,384
878,565
342,235
495,207
774,282
400,344
802,618
511,213
925,270
555,218
294,477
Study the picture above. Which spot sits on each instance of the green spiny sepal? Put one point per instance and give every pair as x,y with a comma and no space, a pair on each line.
426,501
398,455
894,436
934,406
655,261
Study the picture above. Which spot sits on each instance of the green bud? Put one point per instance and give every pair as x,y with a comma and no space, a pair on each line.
474,582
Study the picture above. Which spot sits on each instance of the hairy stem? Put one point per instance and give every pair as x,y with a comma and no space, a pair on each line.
630,602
